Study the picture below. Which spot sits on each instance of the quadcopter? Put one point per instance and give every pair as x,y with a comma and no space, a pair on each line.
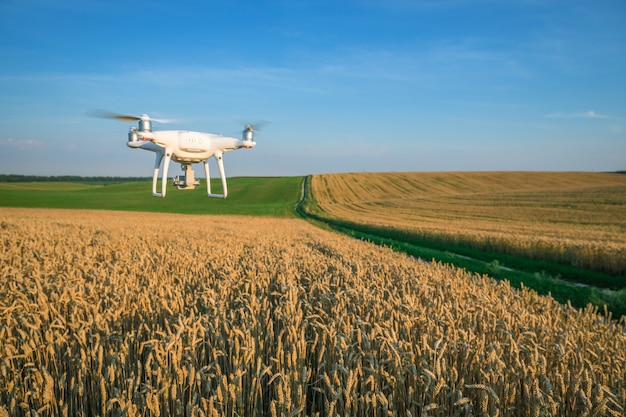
183,147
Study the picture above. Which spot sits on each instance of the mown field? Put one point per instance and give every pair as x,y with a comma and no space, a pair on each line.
121,313
264,196
571,218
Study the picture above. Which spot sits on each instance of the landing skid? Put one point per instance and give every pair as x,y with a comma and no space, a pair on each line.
188,181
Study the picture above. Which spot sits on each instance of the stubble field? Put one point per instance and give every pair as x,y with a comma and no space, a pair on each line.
121,313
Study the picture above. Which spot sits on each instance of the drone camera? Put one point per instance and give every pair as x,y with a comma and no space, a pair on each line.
186,181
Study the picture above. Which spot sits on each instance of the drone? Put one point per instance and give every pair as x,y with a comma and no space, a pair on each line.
181,146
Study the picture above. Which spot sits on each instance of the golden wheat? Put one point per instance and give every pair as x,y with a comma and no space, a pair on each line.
557,216
132,314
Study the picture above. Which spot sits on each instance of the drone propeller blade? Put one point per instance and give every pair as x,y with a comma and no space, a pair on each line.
125,117
110,115
163,120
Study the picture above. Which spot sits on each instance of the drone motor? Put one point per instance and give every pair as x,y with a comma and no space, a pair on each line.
145,125
132,135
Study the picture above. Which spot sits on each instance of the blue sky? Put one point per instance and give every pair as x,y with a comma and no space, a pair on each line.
349,86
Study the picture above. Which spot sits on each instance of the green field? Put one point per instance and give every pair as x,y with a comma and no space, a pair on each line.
257,196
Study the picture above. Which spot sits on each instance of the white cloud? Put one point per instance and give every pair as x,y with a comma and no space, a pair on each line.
21,144
590,114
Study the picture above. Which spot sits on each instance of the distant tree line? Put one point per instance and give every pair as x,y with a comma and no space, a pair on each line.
69,178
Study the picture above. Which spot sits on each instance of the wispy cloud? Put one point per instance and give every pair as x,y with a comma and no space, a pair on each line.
21,144
590,114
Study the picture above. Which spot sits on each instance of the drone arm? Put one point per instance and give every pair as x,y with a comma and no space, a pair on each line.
220,165
155,174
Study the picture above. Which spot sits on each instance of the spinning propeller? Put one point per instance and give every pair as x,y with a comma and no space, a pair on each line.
126,117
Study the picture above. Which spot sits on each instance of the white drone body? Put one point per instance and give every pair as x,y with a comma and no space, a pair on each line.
184,147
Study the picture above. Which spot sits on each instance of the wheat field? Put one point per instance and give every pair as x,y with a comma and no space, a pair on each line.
569,217
135,314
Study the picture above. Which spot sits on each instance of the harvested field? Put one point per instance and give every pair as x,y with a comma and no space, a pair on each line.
120,313
568,217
